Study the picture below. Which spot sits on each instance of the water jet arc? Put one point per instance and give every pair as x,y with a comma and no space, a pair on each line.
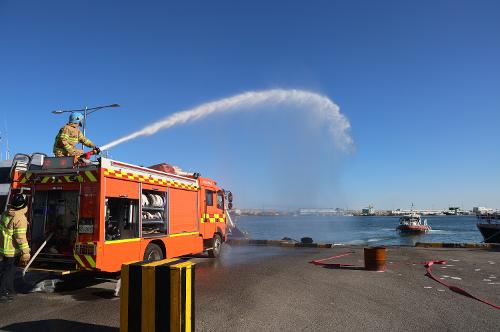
323,106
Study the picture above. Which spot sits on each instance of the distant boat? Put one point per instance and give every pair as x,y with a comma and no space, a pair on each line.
489,226
412,224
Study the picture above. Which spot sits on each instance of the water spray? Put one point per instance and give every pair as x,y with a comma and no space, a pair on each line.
338,124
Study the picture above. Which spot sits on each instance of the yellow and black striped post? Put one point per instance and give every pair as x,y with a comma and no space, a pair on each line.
157,296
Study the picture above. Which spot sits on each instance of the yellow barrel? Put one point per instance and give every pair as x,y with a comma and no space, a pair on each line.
375,259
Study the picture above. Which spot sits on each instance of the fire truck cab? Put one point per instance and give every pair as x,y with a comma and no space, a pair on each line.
101,214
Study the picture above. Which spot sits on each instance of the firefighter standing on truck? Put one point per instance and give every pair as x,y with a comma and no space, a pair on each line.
14,246
69,136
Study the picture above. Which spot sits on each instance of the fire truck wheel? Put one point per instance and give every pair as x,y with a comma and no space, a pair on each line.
216,246
153,253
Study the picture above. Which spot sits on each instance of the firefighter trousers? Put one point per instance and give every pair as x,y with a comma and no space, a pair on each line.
7,275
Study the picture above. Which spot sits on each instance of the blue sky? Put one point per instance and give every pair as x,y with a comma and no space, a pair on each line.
419,82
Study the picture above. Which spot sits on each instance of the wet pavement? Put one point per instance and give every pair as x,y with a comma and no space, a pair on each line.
272,288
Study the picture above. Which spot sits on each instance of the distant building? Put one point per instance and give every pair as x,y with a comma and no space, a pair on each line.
482,210
318,211
452,211
424,212
369,211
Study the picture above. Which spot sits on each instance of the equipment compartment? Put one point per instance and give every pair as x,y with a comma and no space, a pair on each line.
154,212
56,212
121,218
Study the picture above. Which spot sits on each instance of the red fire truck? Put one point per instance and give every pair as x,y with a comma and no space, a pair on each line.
98,215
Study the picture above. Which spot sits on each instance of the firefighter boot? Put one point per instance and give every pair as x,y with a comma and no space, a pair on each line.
4,298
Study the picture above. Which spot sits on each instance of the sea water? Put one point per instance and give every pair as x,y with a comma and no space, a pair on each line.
358,230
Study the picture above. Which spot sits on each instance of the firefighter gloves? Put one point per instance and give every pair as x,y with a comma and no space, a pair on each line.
24,260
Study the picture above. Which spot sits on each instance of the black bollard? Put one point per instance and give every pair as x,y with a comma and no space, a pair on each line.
157,296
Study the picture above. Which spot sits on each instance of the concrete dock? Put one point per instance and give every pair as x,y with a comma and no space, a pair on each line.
274,288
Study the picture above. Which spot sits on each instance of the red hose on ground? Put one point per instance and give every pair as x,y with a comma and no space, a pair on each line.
451,287
332,265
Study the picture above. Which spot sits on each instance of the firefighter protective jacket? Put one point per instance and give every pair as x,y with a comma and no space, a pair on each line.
66,140
13,227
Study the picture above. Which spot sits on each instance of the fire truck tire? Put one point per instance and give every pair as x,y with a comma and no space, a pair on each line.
153,253
216,246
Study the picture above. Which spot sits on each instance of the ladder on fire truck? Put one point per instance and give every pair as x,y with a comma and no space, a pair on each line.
21,162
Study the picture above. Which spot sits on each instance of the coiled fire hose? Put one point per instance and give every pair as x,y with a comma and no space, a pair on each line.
320,262
36,253
451,287
428,273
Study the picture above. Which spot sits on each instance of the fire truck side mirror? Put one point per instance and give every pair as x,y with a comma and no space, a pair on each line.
229,206
230,197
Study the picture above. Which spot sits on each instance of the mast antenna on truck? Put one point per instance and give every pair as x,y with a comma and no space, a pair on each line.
4,139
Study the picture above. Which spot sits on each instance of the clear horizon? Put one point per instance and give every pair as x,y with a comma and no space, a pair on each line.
360,208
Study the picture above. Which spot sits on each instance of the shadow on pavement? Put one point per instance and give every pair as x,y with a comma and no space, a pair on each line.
86,295
56,325
48,283
77,282
357,268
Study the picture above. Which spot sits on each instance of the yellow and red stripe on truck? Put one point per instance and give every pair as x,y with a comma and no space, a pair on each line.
86,176
85,255
212,218
149,179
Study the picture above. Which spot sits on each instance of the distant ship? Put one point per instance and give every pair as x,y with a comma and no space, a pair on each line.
412,224
489,226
